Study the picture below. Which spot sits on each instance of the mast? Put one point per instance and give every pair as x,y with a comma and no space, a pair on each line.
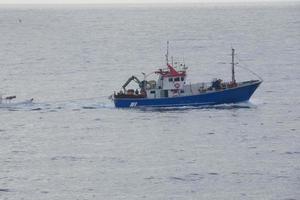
232,68
167,55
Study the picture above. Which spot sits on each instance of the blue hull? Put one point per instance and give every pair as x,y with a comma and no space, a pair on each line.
232,95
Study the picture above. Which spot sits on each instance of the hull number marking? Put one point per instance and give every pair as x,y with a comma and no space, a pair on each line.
133,104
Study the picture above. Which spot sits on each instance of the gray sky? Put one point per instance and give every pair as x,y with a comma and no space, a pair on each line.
123,1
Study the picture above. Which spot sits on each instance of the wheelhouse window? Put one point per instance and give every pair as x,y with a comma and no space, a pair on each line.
170,79
182,78
176,79
152,92
181,91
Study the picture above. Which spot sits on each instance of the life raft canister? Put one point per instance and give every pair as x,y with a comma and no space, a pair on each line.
177,85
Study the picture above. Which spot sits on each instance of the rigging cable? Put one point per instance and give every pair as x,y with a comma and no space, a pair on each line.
249,70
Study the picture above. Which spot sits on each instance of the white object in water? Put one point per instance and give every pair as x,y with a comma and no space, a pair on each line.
6,102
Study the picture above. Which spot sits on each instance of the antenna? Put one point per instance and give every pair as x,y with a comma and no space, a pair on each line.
144,75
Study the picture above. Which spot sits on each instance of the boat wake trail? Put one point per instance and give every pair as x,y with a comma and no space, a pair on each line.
232,106
71,105
53,106
16,105
242,105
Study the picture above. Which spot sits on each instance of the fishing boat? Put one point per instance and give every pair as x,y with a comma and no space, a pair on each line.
172,90
8,102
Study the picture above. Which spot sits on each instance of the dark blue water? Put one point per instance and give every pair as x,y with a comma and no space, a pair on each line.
73,144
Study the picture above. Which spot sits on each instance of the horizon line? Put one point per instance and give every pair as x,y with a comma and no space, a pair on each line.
158,2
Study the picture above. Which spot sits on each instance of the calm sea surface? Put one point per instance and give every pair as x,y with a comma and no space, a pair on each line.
73,144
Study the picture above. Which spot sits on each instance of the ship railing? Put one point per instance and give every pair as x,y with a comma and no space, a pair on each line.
209,87
197,88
